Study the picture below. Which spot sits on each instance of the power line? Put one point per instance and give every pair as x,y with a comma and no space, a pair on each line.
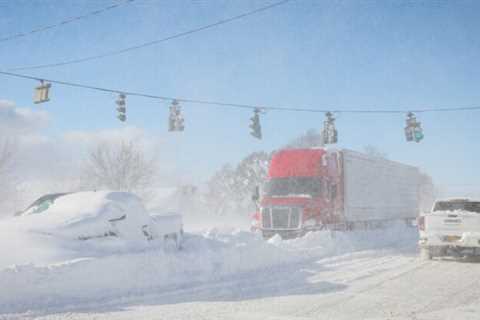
154,42
64,22
236,105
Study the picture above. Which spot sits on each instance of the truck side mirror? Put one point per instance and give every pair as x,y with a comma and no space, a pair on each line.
256,194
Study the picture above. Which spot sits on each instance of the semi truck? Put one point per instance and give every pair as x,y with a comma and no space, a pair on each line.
318,188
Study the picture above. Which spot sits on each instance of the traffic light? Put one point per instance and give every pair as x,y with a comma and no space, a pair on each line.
175,120
41,92
121,107
413,128
418,133
329,133
256,128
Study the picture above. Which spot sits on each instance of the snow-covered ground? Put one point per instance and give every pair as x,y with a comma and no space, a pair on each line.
233,274
211,256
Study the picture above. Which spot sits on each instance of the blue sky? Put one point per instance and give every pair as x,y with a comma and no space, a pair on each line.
316,54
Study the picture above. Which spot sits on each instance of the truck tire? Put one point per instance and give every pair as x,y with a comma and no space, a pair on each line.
173,241
442,251
179,240
426,253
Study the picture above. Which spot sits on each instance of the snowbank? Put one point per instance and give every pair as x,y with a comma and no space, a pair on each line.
397,235
207,256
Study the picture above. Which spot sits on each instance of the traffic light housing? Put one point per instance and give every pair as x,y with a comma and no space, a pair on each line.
255,126
175,120
41,92
329,133
121,107
413,129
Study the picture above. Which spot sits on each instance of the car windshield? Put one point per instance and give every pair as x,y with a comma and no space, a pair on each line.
471,206
311,186
41,204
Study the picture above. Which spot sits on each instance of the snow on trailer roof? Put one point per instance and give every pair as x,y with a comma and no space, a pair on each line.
364,155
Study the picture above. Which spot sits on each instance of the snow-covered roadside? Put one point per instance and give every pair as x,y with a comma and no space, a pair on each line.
207,256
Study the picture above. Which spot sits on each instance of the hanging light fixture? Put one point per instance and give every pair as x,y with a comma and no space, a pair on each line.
121,107
175,120
255,126
329,132
413,128
41,92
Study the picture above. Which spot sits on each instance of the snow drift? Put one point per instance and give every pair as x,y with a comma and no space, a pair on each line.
208,256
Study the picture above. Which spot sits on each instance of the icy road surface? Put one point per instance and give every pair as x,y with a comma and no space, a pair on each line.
379,283
364,285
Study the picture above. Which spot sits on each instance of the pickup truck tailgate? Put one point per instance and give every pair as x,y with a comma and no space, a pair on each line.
452,229
451,223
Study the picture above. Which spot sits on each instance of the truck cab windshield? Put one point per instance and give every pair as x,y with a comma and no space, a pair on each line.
471,206
311,186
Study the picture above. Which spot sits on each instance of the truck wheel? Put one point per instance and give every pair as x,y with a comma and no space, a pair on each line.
442,252
426,254
173,241
179,240
266,235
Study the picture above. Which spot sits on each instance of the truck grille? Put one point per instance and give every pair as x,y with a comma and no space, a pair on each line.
280,218
266,218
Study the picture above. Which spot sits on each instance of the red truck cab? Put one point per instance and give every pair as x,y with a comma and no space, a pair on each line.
302,192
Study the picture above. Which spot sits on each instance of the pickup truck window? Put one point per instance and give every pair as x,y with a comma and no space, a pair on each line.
471,206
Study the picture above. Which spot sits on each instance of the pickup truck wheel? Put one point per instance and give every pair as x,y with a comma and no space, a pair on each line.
426,254
442,252
179,240
173,241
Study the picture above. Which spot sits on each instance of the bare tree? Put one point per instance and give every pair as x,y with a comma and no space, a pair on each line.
230,188
6,156
121,166
7,187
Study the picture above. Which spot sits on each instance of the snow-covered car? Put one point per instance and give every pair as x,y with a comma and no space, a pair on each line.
451,228
99,214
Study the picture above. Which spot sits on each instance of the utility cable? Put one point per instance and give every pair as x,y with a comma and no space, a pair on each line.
154,42
64,22
235,105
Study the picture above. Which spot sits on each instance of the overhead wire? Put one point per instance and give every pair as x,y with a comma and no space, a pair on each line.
65,21
236,105
153,42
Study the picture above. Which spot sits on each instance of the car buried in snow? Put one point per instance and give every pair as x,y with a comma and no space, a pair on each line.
451,228
98,215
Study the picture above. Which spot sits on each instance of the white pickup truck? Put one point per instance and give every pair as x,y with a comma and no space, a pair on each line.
451,228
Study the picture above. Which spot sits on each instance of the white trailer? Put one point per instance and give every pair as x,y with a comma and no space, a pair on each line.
375,188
